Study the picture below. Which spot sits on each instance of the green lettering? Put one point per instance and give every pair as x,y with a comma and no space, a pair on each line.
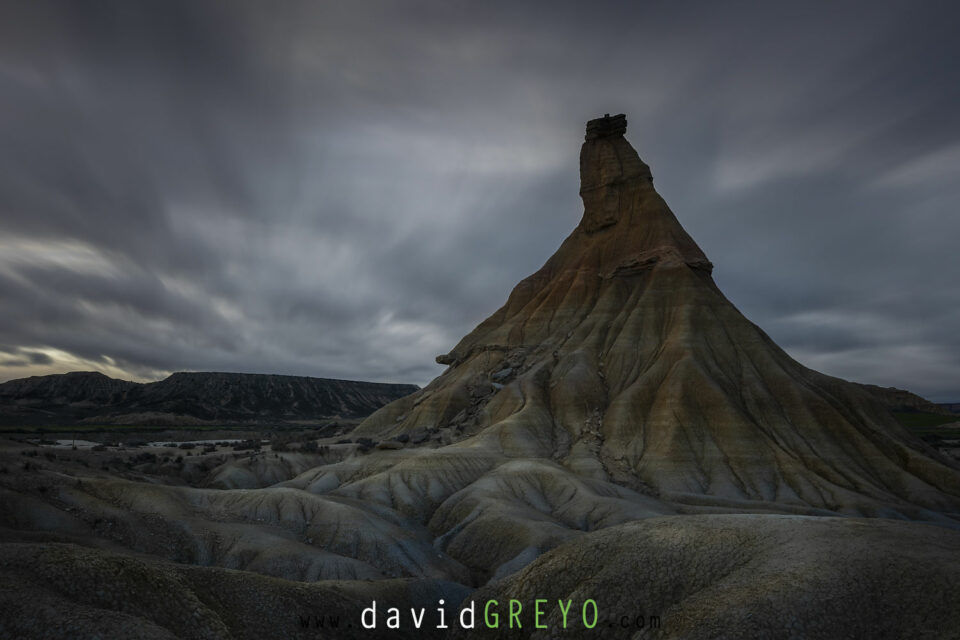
515,615
537,612
564,611
486,615
596,614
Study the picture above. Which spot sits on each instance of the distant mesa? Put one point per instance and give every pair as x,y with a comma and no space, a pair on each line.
189,398
951,407
902,400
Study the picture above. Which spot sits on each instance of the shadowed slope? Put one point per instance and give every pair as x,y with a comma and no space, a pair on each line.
65,591
742,576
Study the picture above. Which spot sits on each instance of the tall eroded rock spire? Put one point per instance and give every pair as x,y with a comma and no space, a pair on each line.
622,361
616,187
610,172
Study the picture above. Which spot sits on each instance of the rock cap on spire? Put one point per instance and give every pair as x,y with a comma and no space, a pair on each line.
606,127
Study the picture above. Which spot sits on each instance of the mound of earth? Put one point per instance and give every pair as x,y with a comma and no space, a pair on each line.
741,576
66,591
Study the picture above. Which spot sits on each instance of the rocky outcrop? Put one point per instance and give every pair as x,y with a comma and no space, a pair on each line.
190,398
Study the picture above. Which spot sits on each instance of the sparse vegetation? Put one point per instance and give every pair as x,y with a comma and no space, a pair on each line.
366,444
247,445
143,458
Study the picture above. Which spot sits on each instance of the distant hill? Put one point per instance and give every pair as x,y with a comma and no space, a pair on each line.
901,400
86,397
952,407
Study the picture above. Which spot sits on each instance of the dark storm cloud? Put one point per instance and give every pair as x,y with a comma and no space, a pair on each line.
18,357
344,189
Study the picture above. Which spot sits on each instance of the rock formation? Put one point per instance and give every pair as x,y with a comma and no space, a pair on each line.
616,431
622,361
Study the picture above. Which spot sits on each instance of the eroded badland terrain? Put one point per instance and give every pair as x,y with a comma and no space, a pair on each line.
617,431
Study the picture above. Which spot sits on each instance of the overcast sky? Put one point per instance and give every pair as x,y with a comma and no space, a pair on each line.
344,189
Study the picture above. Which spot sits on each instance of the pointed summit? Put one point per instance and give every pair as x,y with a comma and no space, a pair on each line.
616,187
610,172
621,361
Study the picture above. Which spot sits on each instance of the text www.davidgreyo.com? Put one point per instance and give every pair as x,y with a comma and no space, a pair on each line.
493,614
